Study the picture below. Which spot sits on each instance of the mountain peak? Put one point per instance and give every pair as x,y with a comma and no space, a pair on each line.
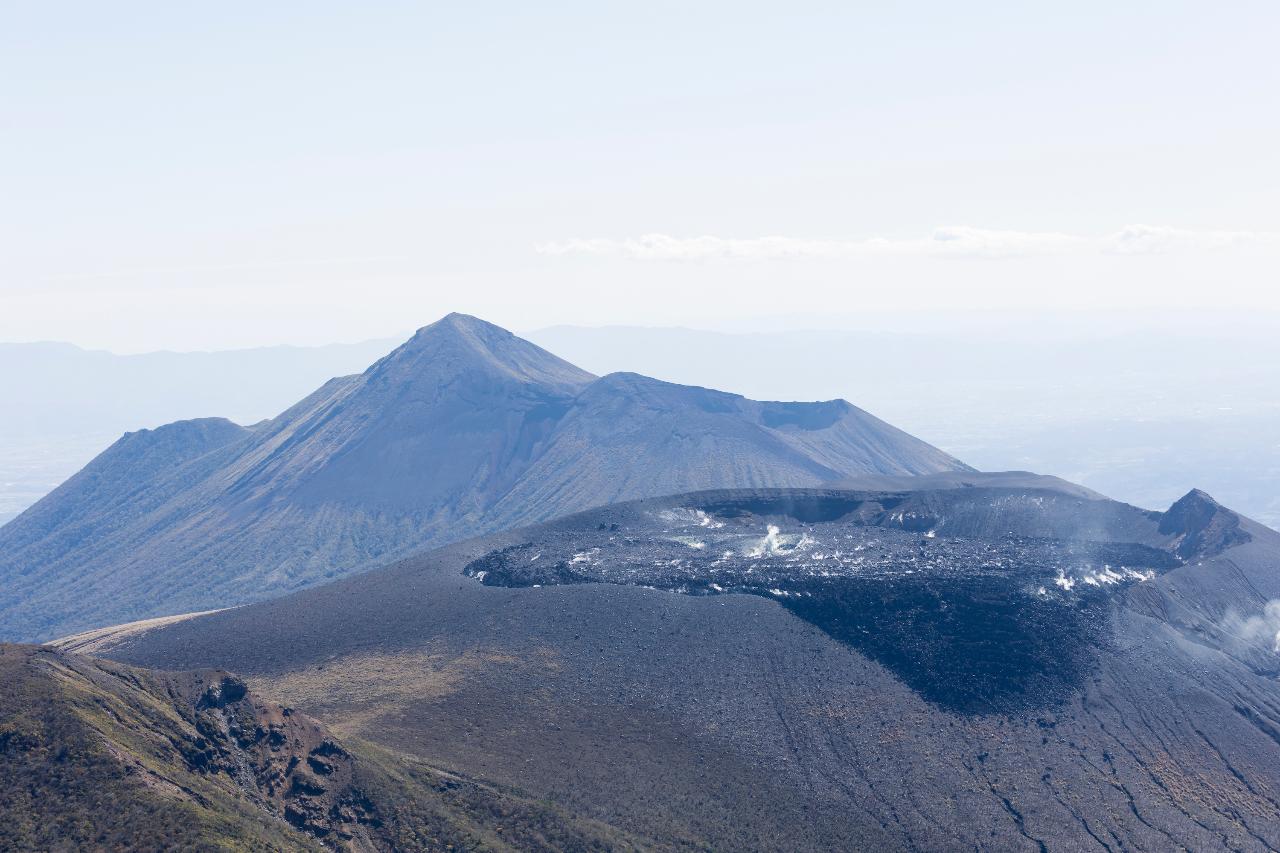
1201,526
460,323
463,429
460,344
1196,503
460,329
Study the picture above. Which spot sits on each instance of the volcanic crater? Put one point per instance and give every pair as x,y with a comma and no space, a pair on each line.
975,624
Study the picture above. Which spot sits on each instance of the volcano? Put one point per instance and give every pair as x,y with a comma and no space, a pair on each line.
968,661
464,429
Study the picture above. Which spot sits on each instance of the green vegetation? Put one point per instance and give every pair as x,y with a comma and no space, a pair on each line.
89,759
95,755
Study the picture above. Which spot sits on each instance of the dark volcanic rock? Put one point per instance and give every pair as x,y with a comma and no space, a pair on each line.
1201,527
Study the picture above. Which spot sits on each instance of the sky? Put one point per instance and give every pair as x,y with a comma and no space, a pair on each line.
185,176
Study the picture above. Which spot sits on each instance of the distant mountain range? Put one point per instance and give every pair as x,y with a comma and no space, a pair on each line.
1135,407
464,429
955,661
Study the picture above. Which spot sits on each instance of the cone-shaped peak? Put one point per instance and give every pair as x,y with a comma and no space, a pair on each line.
1201,526
459,344
1194,505
464,325
461,330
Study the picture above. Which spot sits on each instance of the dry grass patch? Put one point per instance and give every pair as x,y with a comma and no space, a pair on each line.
350,693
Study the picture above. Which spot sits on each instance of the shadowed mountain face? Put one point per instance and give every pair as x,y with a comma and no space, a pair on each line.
985,662
462,430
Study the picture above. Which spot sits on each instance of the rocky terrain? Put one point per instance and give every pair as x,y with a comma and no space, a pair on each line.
95,755
983,662
462,430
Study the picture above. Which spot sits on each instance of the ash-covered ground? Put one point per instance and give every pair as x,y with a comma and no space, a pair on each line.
931,697
975,624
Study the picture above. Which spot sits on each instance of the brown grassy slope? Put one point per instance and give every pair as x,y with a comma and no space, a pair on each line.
95,755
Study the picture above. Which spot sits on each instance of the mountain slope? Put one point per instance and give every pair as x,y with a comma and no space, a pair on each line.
63,405
98,755
58,390
462,430
628,436
1144,409
1003,663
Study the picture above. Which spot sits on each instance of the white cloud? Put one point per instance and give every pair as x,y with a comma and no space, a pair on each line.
953,240
948,241
963,240
1155,239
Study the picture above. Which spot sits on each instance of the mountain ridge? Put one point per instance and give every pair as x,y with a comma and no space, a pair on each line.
465,428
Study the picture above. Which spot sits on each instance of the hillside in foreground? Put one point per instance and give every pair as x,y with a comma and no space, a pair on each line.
95,755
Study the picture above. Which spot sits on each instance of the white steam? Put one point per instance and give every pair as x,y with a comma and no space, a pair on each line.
1262,629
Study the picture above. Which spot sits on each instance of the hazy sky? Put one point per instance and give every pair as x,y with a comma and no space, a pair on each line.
206,176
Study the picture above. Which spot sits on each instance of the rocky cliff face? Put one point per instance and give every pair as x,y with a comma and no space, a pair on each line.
280,758
1201,527
102,755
